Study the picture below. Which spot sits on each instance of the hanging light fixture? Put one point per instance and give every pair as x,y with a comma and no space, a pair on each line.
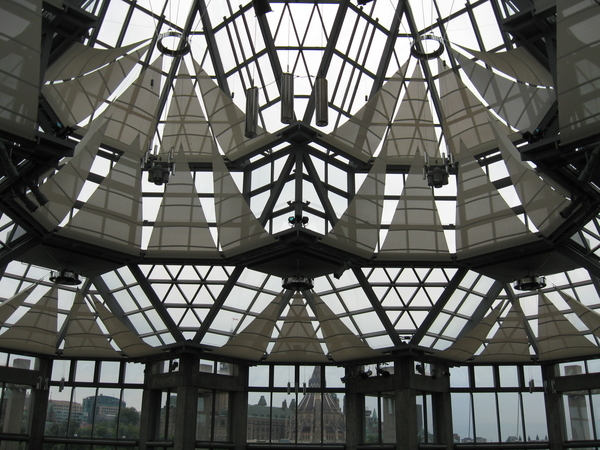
438,172
530,283
321,110
159,171
66,277
251,112
287,98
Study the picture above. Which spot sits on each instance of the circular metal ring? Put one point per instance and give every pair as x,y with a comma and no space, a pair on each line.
416,47
184,45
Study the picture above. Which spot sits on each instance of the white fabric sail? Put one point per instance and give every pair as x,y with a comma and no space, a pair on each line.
413,128
522,106
557,337
112,216
588,316
36,331
80,60
227,121
517,63
578,67
357,231
362,134
484,221
510,342
186,124
342,344
416,231
63,188
465,118
134,113
181,229
8,307
251,344
129,342
466,346
542,202
21,37
239,230
298,340
79,98
84,338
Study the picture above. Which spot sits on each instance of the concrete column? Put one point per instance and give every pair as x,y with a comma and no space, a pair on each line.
185,425
14,396
406,406
553,402
354,407
238,413
150,414
442,419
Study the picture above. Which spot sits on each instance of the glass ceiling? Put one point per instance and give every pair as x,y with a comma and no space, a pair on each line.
359,168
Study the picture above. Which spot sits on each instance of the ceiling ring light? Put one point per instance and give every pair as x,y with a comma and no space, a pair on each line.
183,47
416,49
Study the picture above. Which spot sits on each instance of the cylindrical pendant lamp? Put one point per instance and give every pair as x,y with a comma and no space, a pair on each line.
287,98
321,110
251,112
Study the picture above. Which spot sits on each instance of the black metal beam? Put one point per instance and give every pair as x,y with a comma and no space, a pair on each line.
528,331
573,252
112,302
484,306
376,304
327,55
213,48
214,310
439,305
159,307
276,190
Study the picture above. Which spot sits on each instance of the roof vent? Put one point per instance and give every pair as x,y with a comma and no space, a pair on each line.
65,276
530,283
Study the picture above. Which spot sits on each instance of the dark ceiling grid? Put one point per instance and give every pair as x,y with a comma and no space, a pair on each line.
213,48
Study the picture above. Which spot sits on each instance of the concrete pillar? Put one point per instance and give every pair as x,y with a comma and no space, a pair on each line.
355,412
406,406
442,418
14,396
238,412
150,414
553,403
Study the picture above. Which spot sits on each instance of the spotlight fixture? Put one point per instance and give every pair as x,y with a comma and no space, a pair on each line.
383,372
530,283
159,171
535,136
366,374
297,283
339,272
438,172
251,130
66,277
298,220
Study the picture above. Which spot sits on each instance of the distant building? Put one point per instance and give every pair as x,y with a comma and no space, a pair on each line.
59,411
100,405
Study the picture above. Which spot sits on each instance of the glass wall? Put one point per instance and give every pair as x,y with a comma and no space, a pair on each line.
296,404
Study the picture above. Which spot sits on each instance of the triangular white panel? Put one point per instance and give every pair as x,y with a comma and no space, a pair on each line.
413,127
21,38
589,317
465,118
251,344
80,59
129,342
578,66
510,342
63,188
517,63
8,307
84,338
522,106
541,202
36,331
297,342
181,229
134,113
465,347
343,344
227,121
416,231
357,231
484,221
362,134
76,99
557,337
186,124
112,217
239,230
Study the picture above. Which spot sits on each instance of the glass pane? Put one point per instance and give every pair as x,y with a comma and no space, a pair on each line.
129,415
535,418
509,376
511,419
204,415
258,376
334,420
14,417
371,428
484,376
168,415
221,414
259,415
462,416
309,418
486,420
459,376
578,421
109,372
